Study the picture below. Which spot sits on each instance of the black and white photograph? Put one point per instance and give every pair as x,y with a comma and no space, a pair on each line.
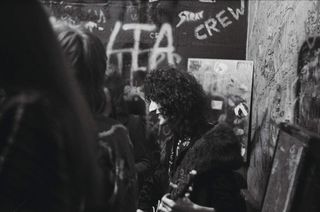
160,106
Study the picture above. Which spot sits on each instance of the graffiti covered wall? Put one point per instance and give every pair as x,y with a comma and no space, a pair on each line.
142,35
276,32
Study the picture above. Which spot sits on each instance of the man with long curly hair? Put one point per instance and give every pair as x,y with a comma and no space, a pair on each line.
212,150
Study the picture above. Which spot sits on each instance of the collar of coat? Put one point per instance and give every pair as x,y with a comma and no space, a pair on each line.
218,148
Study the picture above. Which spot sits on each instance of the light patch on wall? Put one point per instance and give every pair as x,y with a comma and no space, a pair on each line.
216,105
208,1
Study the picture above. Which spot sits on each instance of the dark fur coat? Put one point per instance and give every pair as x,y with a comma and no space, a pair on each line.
215,156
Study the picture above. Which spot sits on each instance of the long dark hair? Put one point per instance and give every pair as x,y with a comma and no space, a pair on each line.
31,59
182,100
86,54
307,108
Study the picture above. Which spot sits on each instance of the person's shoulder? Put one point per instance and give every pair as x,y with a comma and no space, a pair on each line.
21,99
219,129
225,145
134,119
105,121
108,126
29,105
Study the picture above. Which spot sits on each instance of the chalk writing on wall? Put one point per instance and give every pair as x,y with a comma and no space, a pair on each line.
211,25
285,173
120,30
186,16
276,32
94,18
311,24
157,53
119,23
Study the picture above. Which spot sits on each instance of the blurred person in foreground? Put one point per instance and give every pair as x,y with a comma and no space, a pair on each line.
47,160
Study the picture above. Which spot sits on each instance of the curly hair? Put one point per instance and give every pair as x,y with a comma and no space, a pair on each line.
182,99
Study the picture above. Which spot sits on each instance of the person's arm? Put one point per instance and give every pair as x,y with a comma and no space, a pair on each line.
136,128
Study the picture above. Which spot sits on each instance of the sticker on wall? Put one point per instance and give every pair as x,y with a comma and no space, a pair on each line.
228,83
216,105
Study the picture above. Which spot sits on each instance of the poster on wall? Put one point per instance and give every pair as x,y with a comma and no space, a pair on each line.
228,84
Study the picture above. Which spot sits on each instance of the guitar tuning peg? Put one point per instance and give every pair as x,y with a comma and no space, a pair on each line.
193,172
187,194
190,188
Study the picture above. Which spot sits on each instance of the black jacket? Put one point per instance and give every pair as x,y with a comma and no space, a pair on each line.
34,175
215,156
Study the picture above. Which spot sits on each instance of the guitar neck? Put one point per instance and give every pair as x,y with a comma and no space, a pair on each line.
187,187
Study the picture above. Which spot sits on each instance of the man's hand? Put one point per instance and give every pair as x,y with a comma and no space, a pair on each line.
181,205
